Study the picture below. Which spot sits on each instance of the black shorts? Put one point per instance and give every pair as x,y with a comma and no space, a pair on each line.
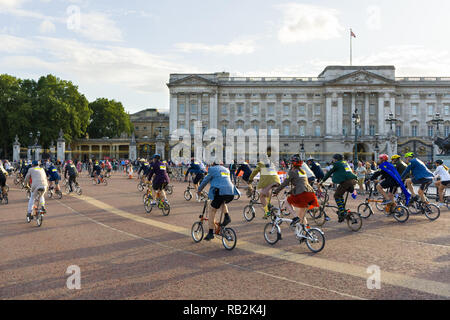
445,183
391,185
198,178
2,181
311,180
219,200
159,186
424,182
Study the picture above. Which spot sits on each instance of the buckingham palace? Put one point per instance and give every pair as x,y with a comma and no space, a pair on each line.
366,106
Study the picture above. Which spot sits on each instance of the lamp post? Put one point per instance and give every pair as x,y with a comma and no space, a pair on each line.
377,147
391,120
356,121
302,150
437,120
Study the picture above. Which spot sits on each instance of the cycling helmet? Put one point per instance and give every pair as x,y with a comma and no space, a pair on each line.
395,156
296,160
157,156
35,163
338,157
383,157
439,162
409,155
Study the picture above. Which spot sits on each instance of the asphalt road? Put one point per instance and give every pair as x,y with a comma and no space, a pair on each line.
124,253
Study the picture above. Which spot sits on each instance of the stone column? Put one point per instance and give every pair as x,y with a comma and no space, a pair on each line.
381,119
52,151
366,115
329,116
213,110
16,150
37,152
340,114
61,147
187,105
160,146
353,111
100,152
69,152
173,117
132,153
90,151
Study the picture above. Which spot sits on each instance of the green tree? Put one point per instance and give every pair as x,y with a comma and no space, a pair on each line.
109,119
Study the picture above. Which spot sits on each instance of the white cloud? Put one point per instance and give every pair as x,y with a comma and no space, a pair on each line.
15,45
10,3
47,27
373,21
303,22
129,67
99,27
236,47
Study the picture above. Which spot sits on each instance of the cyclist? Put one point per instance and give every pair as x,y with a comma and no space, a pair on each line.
72,171
221,192
302,194
309,173
315,167
38,180
53,176
391,180
3,176
233,168
246,172
343,176
421,175
144,168
161,179
441,172
268,179
398,164
96,171
199,169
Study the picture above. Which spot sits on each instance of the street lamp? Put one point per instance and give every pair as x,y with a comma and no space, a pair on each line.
437,120
302,150
391,119
356,121
377,147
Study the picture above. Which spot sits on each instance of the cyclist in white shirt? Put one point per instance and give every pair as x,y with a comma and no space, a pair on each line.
38,181
442,172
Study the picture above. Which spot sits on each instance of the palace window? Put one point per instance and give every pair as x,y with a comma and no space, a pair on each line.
205,109
181,108
317,131
240,108
344,131
372,130
317,109
430,109
398,109
447,130
271,109
302,109
255,109
193,108
224,109
446,110
286,130
398,131
414,131
430,131
372,108
286,109
414,108
301,131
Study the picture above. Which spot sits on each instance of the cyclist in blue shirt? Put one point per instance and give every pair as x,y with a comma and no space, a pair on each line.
197,168
53,176
421,175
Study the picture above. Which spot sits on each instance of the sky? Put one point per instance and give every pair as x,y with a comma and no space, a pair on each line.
126,50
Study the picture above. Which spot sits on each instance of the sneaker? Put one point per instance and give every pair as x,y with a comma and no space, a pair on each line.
327,218
29,216
226,221
209,236
341,217
295,221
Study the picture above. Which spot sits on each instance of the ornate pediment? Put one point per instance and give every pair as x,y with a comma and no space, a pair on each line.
194,80
361,78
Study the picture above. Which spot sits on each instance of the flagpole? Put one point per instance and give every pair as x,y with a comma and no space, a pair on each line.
351,49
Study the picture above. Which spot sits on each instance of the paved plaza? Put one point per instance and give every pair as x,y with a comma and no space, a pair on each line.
124,253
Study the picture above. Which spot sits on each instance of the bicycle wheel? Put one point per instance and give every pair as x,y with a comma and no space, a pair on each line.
49,194
401,213
315,240
148,205
271,234
354,221
379,206
320,217
28,194
105,181
255,196
432,211
6,188
39,219
165,208
67,189
187,195
249,213
140,187
94,182
237,197
16,181
229,238
79,191
197,232
365,210
169,190
58,195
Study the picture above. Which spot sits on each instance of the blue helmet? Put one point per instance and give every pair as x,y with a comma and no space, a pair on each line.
157,156
35,163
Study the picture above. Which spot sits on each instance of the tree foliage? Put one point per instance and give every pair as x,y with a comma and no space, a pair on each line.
109,119
51,104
